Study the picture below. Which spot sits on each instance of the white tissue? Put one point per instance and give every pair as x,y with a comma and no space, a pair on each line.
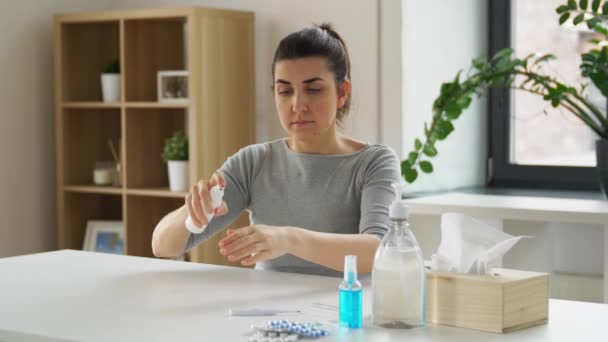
469,245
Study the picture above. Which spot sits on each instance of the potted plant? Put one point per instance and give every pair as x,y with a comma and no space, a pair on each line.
175,153
500,71
110,81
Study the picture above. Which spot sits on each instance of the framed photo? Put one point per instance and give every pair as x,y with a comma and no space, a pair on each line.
172,86
105,237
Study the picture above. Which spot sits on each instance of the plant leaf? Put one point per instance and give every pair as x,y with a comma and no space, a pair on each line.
453,110
564,17
464,102
572,4
429,150
589,57
479,63
417,144
600,81
444,128
426,166
405,165
562,9
506,52
446,88
583,4
605,8
601,29
591,24
544,58
432,138
412,158
410,175
595,5
578,19
176,147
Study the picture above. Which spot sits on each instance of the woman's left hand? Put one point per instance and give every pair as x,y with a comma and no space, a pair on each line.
255,243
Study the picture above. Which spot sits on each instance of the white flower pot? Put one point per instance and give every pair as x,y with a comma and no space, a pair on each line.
110,87
178,175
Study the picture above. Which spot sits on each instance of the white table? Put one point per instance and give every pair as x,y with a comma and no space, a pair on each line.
545,209
74,295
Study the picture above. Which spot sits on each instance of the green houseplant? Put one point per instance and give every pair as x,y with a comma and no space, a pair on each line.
113,67
110,81
501,70
175,153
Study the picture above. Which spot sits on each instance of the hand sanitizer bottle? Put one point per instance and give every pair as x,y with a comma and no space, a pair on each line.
216,193
351,295
398,275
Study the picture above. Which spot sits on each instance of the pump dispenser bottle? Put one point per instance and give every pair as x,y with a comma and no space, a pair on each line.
351,295
398,277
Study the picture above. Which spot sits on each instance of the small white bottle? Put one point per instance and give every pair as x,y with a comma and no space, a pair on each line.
216,193
398,277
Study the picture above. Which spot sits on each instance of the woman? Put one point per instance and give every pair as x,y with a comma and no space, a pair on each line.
313,197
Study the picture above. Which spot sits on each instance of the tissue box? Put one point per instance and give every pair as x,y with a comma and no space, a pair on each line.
502,302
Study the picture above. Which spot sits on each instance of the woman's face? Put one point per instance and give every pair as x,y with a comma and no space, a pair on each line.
307,98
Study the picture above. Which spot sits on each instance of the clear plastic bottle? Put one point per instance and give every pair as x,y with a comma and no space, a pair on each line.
398,277
351,295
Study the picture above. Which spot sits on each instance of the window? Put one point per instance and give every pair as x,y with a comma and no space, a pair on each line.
532,143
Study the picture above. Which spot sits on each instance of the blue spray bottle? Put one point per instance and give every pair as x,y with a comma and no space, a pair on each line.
351,295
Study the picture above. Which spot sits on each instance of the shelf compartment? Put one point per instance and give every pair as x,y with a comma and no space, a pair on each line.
147,130
151,45
86,49
143,214
82,207
86,135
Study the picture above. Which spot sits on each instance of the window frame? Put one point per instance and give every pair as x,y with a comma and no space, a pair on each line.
501,172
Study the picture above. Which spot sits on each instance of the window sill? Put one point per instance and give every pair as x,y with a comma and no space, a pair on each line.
504,191
516,204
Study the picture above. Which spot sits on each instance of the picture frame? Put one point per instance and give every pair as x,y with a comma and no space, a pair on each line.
105,237
172,86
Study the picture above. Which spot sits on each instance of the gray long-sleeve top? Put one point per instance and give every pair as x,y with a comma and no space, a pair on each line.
348,194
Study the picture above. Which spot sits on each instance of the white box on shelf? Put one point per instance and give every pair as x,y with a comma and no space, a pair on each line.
172,86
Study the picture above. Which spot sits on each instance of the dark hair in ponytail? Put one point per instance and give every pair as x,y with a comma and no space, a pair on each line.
318,41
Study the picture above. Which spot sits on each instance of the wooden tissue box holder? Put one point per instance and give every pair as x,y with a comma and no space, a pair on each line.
505,301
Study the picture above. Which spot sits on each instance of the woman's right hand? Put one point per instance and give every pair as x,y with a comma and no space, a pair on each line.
198,201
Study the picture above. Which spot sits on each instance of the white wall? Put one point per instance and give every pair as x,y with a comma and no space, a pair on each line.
27,141
434,50
27,214
439,38
390,71
356,21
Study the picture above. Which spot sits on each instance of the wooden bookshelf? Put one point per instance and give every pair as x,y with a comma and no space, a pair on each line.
216,48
